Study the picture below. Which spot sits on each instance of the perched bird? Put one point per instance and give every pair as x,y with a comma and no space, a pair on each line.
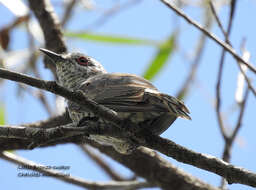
131,96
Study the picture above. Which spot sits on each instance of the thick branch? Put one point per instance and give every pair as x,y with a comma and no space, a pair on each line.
231,173
144,137
50,25
173,149
156,169
145,164
151,167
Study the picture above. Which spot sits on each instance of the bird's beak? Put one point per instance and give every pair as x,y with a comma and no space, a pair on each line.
52,55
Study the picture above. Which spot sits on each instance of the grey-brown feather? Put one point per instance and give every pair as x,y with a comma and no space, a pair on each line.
126,93
132,97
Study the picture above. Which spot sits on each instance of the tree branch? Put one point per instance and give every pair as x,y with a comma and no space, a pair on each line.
156,169
143,137
200,47
173,149
228,42
229,139
146,164
227,47
40,136
68,12
71,179
52,86
151,167
218,20
219,78
50,25
102,164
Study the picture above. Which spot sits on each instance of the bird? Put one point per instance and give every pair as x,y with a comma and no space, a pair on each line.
130,96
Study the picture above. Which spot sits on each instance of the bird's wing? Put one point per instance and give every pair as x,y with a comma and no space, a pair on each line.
130,93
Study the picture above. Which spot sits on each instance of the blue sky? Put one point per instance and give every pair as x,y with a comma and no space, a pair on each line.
152,20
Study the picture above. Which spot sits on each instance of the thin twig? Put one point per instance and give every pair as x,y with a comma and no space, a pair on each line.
218,20
226,155
111,12
228,139
227,47
231,138
232,10
218,98
220,72
32,65
240,117
228,42
68,12
219,80
41,95
196,62
66,177
226,36
253,90
103,165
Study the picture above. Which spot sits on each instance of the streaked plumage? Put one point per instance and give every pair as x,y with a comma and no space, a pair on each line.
129,95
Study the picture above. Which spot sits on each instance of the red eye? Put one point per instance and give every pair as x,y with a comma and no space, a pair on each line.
82,61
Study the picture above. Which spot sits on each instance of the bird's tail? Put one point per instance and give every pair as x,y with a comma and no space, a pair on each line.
176,106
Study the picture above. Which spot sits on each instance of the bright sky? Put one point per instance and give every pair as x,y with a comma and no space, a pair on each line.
152,20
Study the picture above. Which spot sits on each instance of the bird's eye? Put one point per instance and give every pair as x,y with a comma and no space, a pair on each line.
82,61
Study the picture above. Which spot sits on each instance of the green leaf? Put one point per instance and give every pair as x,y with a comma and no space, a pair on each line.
114,39
2,120
161,58
2,115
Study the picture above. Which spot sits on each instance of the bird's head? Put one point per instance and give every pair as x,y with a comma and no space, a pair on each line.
73,66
